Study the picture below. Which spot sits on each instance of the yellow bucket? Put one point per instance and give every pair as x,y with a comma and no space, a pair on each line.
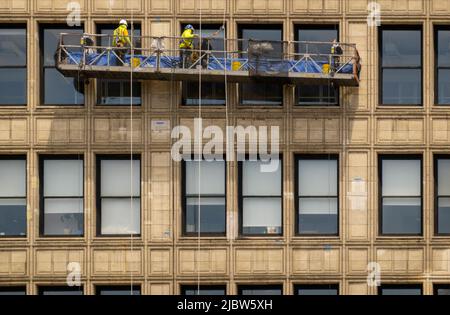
235,65
326,68
136,62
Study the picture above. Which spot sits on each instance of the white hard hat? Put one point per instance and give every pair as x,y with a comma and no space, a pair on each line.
123,21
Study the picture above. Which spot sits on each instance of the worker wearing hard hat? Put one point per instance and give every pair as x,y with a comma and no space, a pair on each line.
121,39
186,44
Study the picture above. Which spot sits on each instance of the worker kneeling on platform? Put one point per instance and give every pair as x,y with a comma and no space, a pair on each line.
186,45
121,40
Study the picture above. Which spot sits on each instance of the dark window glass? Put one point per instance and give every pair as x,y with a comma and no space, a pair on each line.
261,93
204,290
13,65
442,192
442,46
13,290
442,289
112,91
60,290
401,196
316,94
57,89
261,199
260,290
62,196
118,290
317,289
204,197
318,195
401,66
400,290
13,197
119,195
213,93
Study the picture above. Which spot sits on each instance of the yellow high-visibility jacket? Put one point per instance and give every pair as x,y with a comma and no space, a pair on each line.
187,42
120,36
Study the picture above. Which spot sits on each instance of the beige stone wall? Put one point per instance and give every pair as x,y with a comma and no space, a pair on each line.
161,259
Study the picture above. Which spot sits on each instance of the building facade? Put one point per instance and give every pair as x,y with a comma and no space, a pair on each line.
375,155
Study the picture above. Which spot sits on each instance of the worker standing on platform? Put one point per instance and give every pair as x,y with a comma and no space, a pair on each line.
120,40
336,52
186,44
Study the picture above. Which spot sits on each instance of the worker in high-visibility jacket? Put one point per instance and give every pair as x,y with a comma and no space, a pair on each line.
186,45
336,52
121,40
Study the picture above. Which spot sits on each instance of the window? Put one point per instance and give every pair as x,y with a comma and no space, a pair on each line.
57,89
113,91
317,289
261,201
13,64
316,94
261,93
399,289
442,62
118,290
260,290
204,290
213,93
119,189
13,196
61,196
13,290
204,197
441,289
401,195
317,195
442,195
60,290
401,65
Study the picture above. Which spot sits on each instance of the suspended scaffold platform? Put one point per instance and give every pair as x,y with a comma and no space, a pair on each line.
160,58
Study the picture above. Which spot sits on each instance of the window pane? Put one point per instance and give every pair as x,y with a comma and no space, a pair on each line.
121,216
445,290
49,291
213,93
63,216
51,40
317,290
13,86
443,177
212,177
63,178
14,172
116,178
402,48
261,291
443,86
258,183
261,93
204,290
13,47
401,177
13,291
401,291
444,215
316,95
402,86
261,216
443,48
60,90
122,290
13,217
318,216
402,216
317,177
212,215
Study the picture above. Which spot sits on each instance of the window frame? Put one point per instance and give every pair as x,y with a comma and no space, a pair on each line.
98,95
98,197
436,196
24,158
117,287
438,286
25,27
399,286
277,25
337,89
241,198
185,196
380,197
42,159
59,288
13,288
436,29
393,27
42,27
328,157
185,287
317,286
242,287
